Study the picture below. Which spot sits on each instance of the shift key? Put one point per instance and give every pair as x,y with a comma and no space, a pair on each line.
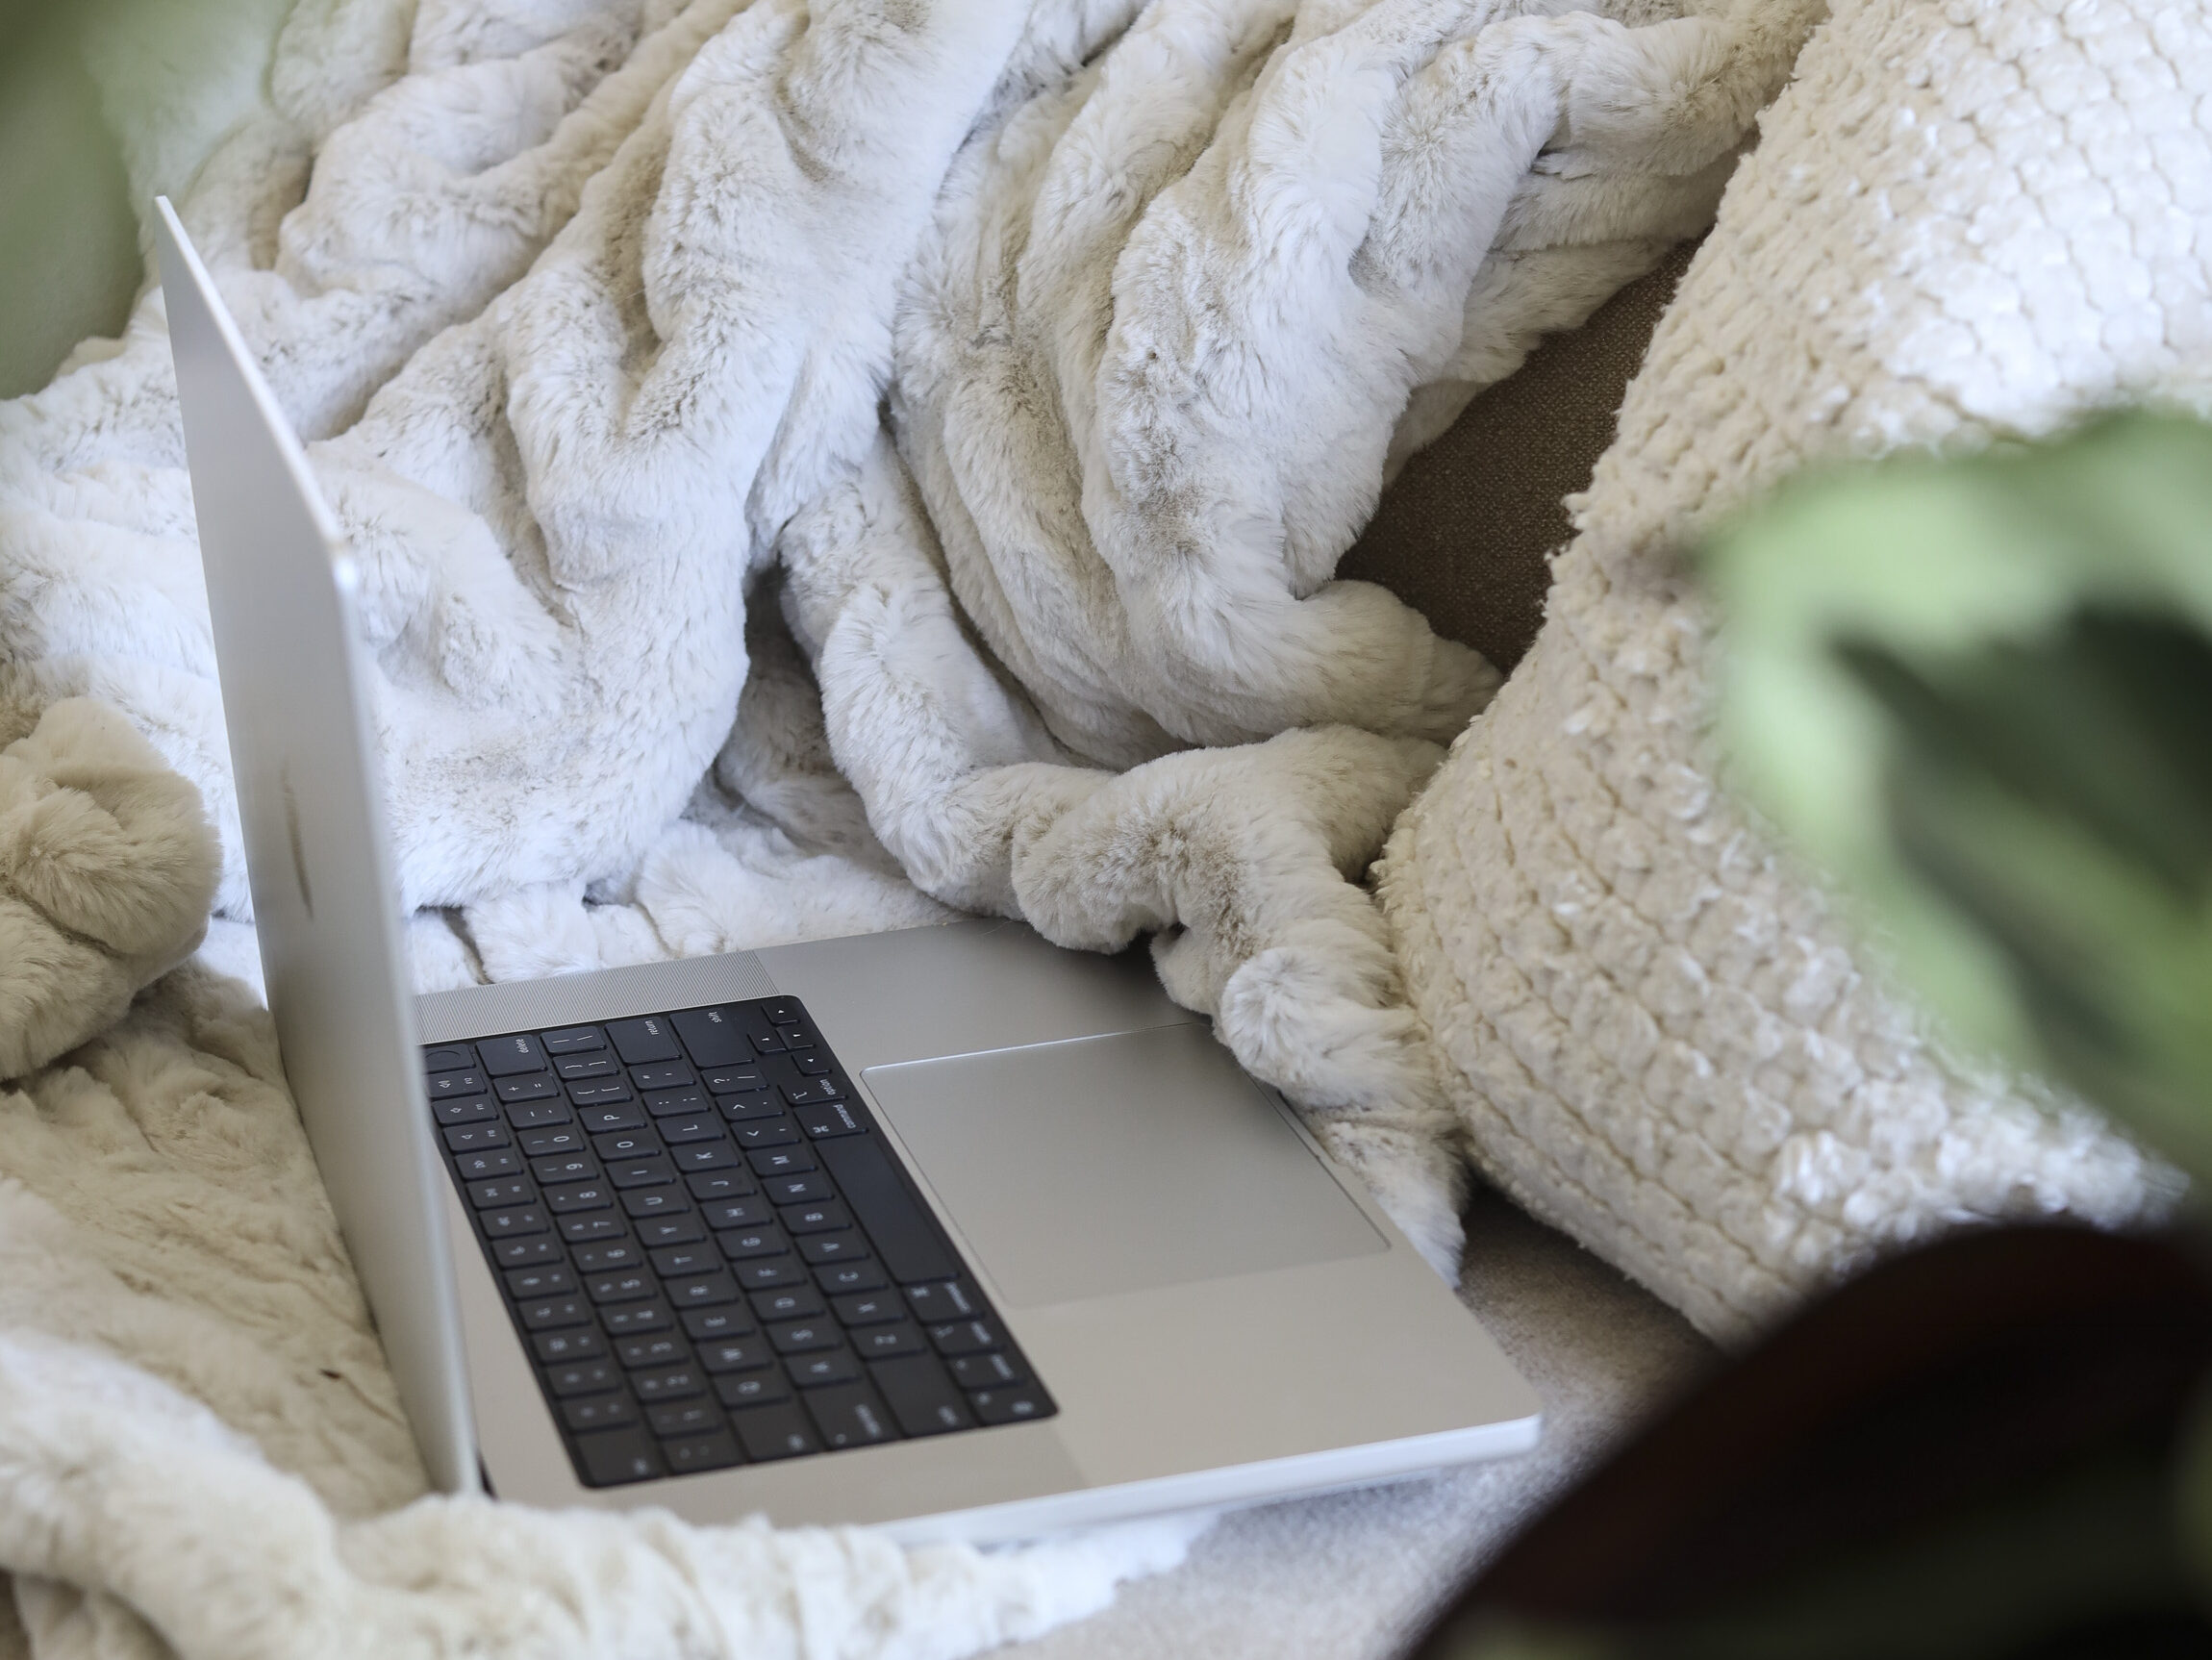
904,1236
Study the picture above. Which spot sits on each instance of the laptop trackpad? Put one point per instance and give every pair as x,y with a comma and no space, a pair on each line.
1104,1165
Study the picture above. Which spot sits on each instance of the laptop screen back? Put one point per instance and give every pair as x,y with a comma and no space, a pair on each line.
294,682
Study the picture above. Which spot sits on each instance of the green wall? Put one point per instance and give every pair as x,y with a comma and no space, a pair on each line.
69,260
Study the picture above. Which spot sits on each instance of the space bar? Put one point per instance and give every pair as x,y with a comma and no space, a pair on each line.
906,1239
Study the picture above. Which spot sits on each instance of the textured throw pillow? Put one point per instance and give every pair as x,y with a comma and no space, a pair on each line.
1960,224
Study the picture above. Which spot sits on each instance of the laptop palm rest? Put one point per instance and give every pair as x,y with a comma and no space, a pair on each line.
1102,1166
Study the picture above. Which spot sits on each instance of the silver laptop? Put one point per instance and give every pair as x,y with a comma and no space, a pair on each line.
947,1231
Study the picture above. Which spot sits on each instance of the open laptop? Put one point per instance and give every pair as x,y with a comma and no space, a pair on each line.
947,1231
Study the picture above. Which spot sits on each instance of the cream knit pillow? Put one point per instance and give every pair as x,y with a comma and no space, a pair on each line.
1961,223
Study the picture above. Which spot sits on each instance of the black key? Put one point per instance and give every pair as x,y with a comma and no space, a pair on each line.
935,1304
686,1417
531,1282
736,1354
673,1383
706,1156
795,1302
749,1213
573,1168
804,1336
480,1167
536,1112
801,1091
668,1075
625,1319
761,1105
809,1189
470,1110
677,1131
716,1036
782,1161
581,1343
582,1196
783,1011
822,1249
601,1091
832,1366
880,1309
546,1144
840,1277
550,1314
776,1132
646,1202
452,1086
739,1245
627,1117
680,1260
796,1040
511,1225
904,1238
574,1040
689,1103
644,1040
620,1286
615,1456
736,1080
831,1118
986,1371
1010,1406
670,1230
504,1057
887,1342
703,1292
717,1450
771,1432
615,1258
628,1144
720,1185
850,1415
712,1325
967,1337
589,1377
769,1043
810,1066
919,1396
814,1218
470,1136
768,1273
591,1227
575,1069
599,1412
534,1088
505,1191
665,1350
740,1389
448,1058
640,1172
525,1253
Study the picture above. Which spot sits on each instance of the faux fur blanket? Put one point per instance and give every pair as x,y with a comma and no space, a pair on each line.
810,468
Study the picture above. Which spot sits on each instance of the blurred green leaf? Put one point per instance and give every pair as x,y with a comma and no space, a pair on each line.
1980,694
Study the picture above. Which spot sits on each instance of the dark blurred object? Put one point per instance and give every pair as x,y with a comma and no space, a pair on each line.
1967,1452
69,263
1466,533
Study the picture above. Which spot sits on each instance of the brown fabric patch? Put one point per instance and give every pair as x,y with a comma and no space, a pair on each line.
1466,533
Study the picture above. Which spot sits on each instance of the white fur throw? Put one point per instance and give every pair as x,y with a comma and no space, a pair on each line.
1960,224
592,309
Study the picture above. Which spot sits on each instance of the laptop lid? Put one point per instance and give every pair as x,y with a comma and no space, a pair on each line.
290,654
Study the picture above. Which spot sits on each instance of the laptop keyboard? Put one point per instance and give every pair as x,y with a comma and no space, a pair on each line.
710,1254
